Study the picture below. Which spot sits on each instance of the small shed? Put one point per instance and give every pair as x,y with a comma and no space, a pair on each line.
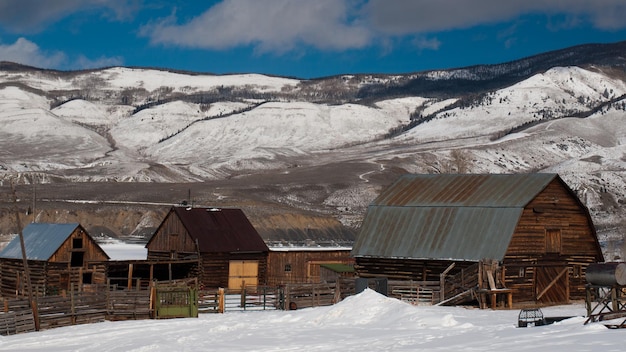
58,255
291,265
230,251
533,226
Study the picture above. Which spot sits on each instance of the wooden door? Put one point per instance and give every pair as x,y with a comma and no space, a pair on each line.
552,284
242,272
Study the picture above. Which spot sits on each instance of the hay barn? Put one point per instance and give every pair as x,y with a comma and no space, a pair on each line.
533,226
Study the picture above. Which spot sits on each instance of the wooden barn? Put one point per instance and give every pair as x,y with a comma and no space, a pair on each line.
433,228
59,256
304,265
230,251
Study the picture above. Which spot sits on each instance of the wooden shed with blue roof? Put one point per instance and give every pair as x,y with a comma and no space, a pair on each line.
532,228
60,256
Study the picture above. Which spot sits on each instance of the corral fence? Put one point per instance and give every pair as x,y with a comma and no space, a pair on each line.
97,303
72,308
283,297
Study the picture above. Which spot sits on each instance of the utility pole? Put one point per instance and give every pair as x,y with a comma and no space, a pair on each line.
20,233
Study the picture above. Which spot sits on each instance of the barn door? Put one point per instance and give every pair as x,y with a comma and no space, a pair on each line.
552,284
243,272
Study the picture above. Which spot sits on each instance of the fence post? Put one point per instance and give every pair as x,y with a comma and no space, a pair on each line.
243,297
153,303
221,301
73,304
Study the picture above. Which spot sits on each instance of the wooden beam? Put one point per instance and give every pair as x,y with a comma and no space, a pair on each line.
442,279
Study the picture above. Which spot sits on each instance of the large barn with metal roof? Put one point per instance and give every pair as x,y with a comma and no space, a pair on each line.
532,225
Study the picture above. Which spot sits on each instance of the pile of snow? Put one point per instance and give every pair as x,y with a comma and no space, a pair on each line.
365,322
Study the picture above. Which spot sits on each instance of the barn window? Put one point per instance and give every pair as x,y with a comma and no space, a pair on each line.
77,259
77,243
287,267
553,241
87,278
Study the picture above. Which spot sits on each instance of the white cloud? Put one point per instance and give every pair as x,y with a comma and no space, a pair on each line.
31,16
25,52
398,17
425,43
276,25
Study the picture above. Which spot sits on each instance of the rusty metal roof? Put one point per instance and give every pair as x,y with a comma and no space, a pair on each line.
41,241
448,216
221,230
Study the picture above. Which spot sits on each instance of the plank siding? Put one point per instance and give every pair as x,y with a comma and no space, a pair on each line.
556,208
172,240
302,266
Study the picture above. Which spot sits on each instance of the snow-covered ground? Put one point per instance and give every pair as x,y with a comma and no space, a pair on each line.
365,322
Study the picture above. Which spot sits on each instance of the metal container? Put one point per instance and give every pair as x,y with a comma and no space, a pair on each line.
606,274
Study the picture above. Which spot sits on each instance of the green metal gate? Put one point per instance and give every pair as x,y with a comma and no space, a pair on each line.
175,302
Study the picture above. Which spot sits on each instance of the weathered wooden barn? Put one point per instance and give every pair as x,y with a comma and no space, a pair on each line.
230,251
58,256
533,226
303,265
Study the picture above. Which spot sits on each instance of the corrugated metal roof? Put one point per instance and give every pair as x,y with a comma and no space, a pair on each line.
221,230
452,217
41,241
495,190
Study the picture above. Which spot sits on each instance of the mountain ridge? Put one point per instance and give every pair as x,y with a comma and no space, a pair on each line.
320,148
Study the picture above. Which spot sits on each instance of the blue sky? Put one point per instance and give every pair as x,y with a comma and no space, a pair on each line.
298,38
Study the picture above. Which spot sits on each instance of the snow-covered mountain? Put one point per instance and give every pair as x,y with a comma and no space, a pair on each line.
328,145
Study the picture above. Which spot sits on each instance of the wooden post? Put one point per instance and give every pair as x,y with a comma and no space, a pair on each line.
73,304
287,300
243,295
18,223
129,283
152,299
221,302
337,296
442,279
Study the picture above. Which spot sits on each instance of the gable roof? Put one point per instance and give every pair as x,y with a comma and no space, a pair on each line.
220,230
435,216
41,241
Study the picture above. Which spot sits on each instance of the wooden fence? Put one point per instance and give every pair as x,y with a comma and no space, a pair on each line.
100,303
74,308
